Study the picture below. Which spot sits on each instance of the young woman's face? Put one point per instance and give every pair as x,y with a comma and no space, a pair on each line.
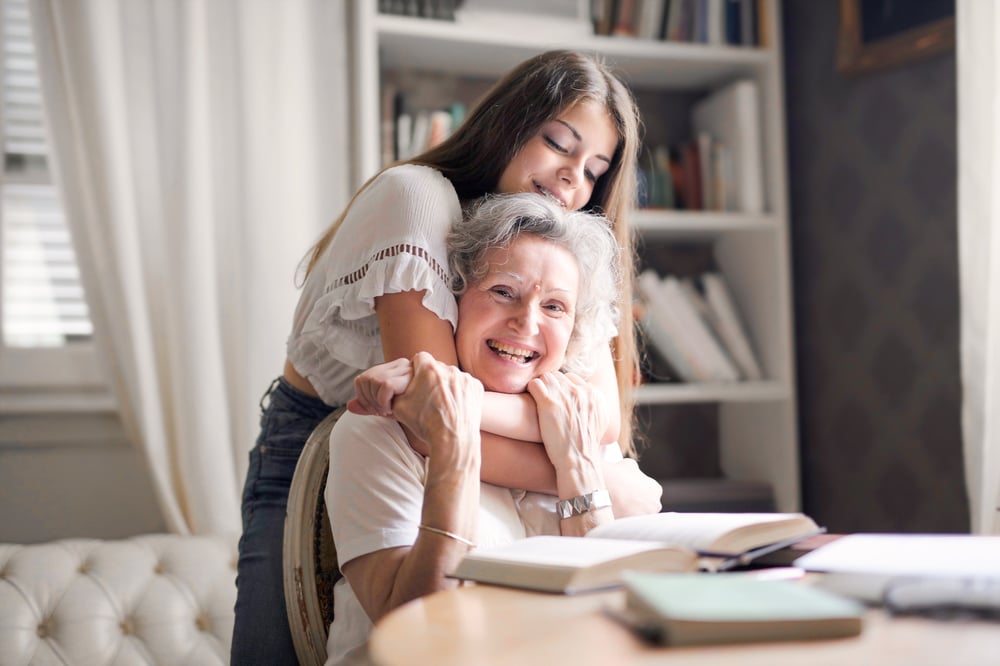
515,323
566,156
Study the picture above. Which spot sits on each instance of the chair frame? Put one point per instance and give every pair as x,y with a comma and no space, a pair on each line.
309,556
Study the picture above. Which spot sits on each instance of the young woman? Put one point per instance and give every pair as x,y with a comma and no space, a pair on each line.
537,288
376,288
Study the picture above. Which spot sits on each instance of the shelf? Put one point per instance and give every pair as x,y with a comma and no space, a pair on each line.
661,394
452,48
664,224
756,421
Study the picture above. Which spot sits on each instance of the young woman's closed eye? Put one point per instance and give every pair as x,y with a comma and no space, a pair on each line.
566,158
564,139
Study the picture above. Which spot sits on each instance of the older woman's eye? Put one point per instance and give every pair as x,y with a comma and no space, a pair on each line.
503,292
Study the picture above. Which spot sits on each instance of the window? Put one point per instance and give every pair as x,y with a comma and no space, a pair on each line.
47,356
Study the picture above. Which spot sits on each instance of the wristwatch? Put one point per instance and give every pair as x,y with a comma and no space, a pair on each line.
574,506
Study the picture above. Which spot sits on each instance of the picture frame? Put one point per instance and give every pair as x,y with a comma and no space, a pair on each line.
878,34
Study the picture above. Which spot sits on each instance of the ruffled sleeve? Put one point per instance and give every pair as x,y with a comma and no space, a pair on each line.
392,240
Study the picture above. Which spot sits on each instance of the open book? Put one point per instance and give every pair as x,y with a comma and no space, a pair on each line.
680,542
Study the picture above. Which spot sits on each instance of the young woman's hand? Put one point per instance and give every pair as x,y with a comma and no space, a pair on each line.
375,388
632,492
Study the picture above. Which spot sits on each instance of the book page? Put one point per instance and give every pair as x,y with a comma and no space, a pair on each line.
561,551
698,531
908,555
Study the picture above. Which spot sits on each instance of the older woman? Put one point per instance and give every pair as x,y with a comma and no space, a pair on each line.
536,288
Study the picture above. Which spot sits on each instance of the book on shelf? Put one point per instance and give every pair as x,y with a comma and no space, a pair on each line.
656,186
407,132
651,18
868,566
680,542
543,18
663,331
731,115
624,24
728,324
680,331
689,187
711,22
690,609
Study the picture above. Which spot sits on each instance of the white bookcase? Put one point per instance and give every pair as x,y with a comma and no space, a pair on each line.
757,420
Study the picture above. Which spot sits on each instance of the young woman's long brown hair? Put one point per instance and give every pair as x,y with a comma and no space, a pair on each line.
502,121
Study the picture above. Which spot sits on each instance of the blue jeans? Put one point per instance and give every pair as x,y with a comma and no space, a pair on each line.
260,633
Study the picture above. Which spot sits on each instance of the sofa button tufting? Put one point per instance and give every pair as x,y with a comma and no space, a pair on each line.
44,628
202,622
84,568
159,568
126,627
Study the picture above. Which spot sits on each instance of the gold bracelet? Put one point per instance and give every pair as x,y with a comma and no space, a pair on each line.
450,535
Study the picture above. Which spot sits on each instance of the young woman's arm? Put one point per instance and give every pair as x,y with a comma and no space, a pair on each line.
515,415
408,327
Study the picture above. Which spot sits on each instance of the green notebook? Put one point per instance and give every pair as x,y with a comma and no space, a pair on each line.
696,609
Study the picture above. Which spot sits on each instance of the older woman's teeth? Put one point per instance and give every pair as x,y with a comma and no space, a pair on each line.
513,353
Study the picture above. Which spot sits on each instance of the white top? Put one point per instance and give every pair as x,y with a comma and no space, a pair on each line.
374,497
393,239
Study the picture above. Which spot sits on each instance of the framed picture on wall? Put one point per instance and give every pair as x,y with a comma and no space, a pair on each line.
875,34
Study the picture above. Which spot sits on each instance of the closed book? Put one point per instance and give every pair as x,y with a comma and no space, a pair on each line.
678,542
662,329
650,22
729,325
693,609
712,362
731,115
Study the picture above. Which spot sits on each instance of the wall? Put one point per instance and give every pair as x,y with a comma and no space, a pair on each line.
872,170
72,476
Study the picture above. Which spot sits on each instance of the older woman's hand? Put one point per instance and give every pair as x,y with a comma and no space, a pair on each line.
443,407
570,419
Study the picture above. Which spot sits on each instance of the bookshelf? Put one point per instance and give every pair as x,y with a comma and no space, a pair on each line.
757,420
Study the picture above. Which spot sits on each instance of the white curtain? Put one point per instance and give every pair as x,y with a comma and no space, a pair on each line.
978,56
201,148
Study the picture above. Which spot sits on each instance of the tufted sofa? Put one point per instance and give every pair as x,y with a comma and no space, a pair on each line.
153,599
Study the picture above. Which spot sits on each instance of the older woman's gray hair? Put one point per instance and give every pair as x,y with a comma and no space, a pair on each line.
496,221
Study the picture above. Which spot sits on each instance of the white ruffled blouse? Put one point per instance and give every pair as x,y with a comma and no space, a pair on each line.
392,240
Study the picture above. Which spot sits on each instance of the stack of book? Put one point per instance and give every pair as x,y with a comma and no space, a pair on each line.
721,166
674,542
408,131
693,324
716,22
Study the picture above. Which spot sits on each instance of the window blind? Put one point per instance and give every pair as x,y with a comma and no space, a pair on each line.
42,298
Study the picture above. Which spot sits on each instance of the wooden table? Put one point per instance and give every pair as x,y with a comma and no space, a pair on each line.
489,625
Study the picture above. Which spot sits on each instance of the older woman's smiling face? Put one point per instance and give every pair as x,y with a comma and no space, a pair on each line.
515,323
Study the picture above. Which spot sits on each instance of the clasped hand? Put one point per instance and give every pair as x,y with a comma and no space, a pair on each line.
434,401
570,418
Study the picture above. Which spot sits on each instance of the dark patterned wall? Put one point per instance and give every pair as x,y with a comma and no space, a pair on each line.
873,194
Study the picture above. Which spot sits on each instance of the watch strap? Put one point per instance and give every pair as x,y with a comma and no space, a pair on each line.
574,506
